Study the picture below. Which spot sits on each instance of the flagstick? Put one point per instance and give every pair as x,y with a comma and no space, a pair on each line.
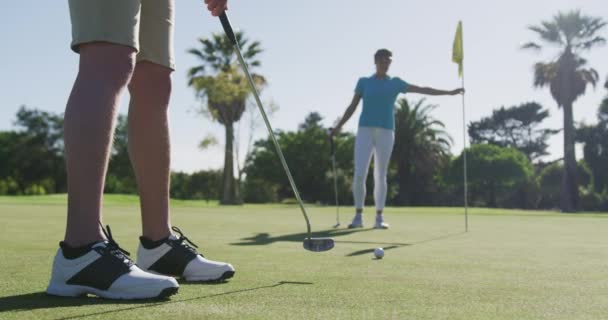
458,57
464,153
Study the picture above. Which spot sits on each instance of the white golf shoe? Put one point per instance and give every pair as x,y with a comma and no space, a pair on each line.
107,272
381,225
356,223
177,256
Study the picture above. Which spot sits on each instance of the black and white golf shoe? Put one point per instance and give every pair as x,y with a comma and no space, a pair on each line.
176,256
106,271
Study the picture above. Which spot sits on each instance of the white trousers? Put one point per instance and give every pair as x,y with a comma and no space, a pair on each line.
379,142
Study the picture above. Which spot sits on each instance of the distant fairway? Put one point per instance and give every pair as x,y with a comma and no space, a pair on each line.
511,265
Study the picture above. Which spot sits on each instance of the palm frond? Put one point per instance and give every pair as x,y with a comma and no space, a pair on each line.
193,72
570,29
252,50
197,53
548,32
569,24
532,46
592,27
589,44
590,76
544,73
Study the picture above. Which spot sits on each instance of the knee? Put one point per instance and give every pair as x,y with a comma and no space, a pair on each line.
110,64
151,79
380,179
359,180
380,174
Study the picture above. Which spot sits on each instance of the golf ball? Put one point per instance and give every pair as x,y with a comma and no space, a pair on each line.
379,253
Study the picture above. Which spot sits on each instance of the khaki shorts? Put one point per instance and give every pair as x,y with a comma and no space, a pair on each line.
146,25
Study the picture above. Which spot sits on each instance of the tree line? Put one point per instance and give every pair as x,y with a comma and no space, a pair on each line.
504,169
32,161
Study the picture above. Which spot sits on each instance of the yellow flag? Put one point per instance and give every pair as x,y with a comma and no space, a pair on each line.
457,52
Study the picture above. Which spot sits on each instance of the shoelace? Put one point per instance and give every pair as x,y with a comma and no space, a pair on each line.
114,249
183,238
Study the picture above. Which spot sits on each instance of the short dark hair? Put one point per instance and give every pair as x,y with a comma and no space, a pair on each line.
382,53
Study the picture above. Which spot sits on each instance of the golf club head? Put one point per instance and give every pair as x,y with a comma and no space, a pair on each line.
336,225
318,244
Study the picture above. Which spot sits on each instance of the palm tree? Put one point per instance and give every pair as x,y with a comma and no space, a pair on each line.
567,80
421,144
219,82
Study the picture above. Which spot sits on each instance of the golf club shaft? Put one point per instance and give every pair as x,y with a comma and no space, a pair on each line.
464,156
230,33
332,148
333,164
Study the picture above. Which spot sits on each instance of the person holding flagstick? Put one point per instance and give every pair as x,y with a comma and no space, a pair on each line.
375,133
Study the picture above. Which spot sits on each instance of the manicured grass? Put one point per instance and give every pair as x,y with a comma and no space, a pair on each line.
512,264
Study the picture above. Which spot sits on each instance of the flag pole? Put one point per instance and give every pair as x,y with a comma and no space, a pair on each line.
458,57
464,157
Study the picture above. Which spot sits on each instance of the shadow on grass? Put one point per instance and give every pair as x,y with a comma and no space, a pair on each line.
390,245
40,300
447,236
368,251
262,239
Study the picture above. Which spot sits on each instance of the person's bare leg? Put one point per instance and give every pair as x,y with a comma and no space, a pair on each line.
149,149
149,145
104,71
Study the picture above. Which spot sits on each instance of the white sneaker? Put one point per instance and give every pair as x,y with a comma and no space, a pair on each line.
176,257
381,225
356,223
106,271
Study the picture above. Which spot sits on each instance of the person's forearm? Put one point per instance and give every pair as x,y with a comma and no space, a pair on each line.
347,114
435,92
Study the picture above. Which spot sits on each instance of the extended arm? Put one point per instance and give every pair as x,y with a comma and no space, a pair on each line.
432,91
347,114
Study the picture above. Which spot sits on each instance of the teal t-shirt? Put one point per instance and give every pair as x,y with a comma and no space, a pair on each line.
379,96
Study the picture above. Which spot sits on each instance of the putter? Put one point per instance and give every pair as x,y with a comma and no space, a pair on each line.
333,166
310,243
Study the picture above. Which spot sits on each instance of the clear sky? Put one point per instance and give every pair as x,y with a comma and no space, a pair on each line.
314,52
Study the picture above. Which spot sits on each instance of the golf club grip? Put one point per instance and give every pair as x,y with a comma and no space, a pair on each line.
227,27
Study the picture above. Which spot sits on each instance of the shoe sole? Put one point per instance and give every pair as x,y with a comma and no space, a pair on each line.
225,276
354,227
166,293
382,227
68,291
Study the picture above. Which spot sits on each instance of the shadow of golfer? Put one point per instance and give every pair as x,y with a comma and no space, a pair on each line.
262,239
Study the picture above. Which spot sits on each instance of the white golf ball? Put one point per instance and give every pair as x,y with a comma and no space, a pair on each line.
379,253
